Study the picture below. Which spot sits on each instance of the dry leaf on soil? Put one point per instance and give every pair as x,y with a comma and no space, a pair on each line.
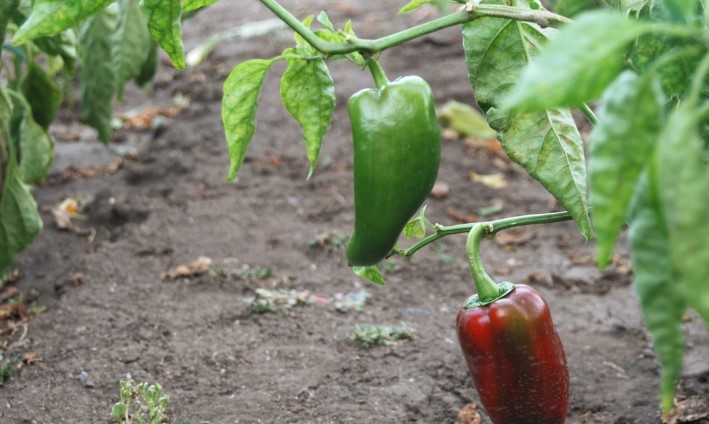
66,210
468,414
496,181
196,267
440,190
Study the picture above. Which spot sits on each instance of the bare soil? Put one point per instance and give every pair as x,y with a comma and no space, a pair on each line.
111,314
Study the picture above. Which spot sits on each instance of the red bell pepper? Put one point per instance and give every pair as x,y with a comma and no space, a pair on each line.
512,350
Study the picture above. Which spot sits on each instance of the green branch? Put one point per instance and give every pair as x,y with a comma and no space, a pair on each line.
489,227
468,13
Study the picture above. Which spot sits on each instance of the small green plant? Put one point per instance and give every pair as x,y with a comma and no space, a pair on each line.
6,367
272,300
379,335
255,273
140,403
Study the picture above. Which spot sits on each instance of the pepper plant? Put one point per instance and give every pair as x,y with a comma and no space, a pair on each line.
641,65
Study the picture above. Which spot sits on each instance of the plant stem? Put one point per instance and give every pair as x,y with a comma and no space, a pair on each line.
468,13
489,227
488,289
380,78
589,115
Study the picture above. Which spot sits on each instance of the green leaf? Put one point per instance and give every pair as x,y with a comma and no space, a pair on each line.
325,21
629,119
149,66
413,5
300,41
416,228
370,273
241,92
50,17
42,94
683,180
465,120
577,64
547,144
166,28
19,219
97,74
308,93
63,45
570,8
662,300
131,44
36,149
190,5
7,9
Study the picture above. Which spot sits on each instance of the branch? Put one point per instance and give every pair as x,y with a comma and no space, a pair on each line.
490,228
468,13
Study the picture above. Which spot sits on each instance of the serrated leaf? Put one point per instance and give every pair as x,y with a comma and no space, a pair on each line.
149,66
413,5
577,64
325,21
50,17
19,219
370,273
547,143
42,94
131,44
36,149
241,92
629,119
165,27
190,5
662,300
97,74
7,9
683,180
308,93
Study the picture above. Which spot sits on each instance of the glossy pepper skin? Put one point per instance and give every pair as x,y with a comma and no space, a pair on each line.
516,359
397,150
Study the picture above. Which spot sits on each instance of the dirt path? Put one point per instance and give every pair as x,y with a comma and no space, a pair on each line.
220,363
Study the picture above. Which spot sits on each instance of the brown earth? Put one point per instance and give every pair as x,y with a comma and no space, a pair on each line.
110,314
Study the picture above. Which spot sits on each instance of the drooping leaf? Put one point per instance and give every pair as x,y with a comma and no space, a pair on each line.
165,27
308,93
683,180
98,80
577,64
662,299
149,66
36,149
241,92
190,5
19,219
547,143
131,44
50,17
370,273
7,9
629,119
63,45
42,94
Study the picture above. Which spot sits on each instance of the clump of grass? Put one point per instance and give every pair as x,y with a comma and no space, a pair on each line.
332,242
368,335
6,367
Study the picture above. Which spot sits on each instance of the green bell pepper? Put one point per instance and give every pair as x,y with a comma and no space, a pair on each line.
397,150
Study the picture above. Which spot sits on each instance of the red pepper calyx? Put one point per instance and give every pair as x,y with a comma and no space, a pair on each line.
474,301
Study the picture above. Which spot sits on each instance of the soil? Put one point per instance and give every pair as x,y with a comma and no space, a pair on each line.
110,313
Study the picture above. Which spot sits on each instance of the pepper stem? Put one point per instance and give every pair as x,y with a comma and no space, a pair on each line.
488,290
380,78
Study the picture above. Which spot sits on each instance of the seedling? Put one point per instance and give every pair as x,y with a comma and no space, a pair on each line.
140,403
379,335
